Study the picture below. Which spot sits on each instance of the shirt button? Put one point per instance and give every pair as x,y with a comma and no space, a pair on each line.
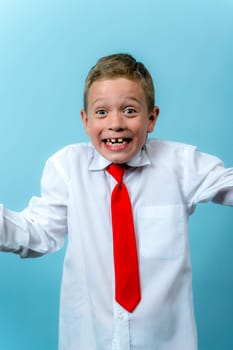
121,317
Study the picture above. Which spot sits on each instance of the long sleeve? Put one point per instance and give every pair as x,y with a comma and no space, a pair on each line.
42,226
206,178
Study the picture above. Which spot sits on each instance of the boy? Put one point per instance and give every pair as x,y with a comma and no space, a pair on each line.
165,181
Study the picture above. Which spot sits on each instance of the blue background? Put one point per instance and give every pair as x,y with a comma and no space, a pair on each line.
46,50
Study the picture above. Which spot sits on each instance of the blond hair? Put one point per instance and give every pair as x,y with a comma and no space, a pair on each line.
121,65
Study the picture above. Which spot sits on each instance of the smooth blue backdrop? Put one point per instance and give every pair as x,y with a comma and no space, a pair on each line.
46,49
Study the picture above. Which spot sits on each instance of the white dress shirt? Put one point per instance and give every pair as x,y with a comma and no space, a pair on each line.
165,181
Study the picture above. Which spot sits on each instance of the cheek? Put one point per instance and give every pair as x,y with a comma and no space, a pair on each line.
141,131
94,130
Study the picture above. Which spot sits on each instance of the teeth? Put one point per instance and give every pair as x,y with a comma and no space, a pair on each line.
115,141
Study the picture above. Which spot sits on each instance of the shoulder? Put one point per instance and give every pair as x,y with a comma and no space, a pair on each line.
164,149
71,159
180,156
71,152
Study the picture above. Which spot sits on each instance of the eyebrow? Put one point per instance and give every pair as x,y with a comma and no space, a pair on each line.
127,99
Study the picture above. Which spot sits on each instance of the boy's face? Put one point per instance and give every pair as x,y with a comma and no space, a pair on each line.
117,118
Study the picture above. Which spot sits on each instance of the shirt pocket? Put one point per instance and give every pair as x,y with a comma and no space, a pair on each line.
161,231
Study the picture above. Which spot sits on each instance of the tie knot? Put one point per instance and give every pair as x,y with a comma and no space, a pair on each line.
117,171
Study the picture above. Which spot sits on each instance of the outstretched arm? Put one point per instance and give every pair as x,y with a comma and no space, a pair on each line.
42,226
206,179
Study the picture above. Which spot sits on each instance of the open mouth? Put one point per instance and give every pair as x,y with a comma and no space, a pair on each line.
117,141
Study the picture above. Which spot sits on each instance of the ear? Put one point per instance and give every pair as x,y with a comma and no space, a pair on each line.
85,121
153,119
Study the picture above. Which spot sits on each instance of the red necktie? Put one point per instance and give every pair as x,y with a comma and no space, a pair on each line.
127,285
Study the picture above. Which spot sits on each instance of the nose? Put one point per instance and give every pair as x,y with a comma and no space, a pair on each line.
116,122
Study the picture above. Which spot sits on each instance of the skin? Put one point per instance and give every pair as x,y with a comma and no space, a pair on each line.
117,118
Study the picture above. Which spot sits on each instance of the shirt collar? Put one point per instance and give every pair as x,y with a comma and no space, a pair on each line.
98,162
